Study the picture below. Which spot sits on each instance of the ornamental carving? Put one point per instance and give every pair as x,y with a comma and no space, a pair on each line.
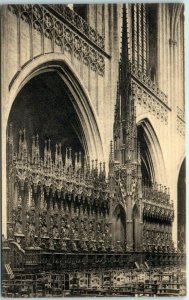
68,206
180,127
149,102
149,84
81,43
80,24
180,114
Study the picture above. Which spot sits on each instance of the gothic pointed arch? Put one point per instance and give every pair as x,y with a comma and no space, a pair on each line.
92,137
58,64
152,161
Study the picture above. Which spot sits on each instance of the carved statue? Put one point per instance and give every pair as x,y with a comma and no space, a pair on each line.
55,232
19,203
63,245
18,227
51,244
74,246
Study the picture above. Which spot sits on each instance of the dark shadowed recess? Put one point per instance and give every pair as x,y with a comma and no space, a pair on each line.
145,157
181,188
44,107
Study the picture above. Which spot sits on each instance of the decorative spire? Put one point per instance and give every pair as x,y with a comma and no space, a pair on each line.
56,154
70,152
100,167
76,162
49,161
92,164
68,158
24,135
22,152
33,149
79,161
124,133
45,153
25,144
49,148
37,140
86,166
125,48
60,155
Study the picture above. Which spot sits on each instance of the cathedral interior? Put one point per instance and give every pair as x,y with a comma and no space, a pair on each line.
93,150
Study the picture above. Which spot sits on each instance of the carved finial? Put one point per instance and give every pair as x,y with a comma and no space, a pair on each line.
92,164
60,152
96,163
124,52
20,136
70,152
100,167
49,140
56,154
76,162
56,207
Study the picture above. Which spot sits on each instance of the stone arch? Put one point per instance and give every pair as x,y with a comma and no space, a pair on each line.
119,224
54,62
83,105
154,152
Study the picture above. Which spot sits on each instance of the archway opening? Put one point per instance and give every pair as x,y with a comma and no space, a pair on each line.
44,106
181,208
119,225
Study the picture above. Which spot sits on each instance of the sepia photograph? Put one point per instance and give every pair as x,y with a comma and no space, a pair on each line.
93,150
